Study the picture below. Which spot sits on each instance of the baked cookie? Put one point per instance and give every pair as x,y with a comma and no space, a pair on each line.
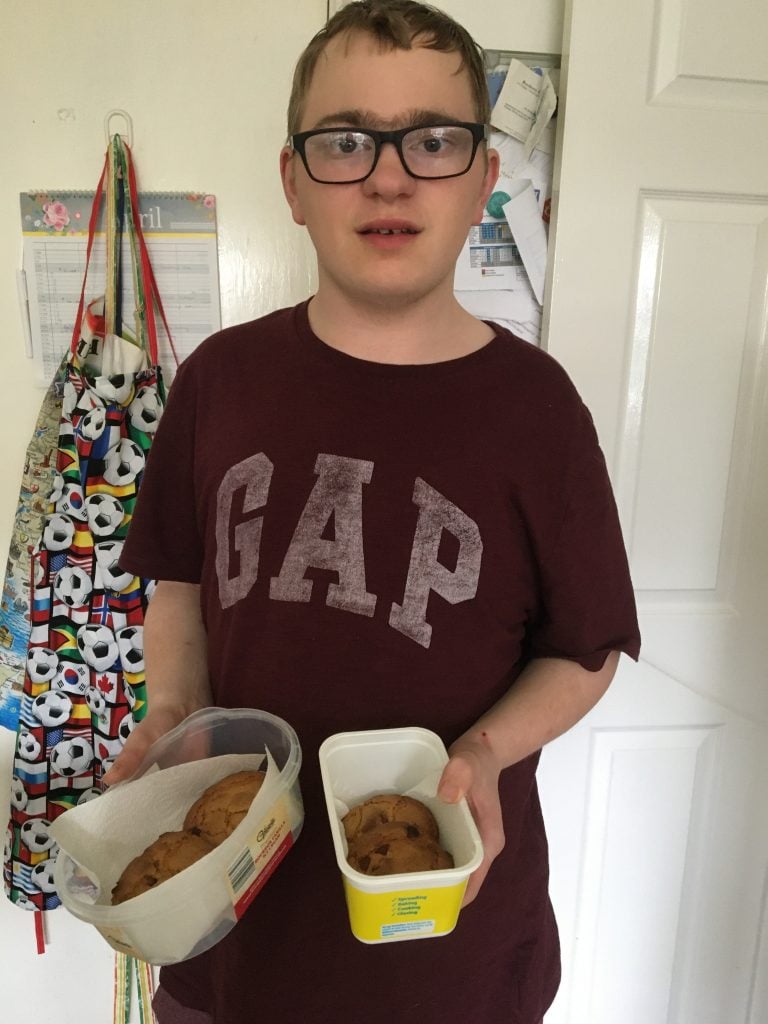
219,809
170,853
378,810
390,834
396,848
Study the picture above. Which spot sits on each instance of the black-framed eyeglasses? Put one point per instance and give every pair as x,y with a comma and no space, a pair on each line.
342,156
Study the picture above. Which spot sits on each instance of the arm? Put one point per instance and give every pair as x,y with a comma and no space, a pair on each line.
549,696
176,660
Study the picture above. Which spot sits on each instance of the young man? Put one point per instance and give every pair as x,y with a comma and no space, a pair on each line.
374,510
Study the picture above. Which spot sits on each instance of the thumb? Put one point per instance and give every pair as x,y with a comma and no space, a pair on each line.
455,780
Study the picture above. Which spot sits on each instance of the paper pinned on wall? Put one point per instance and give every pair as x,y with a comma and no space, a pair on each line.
524,219
181,235
535,167
525,107
489,258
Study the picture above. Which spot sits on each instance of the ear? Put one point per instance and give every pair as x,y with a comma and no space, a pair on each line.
288,163
492,166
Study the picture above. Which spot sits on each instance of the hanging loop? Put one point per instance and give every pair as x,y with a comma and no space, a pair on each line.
128,134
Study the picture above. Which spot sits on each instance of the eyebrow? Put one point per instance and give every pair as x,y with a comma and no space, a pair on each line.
367,119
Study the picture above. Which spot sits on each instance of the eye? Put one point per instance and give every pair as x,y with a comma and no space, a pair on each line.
346,143
438,141
343,144
433,144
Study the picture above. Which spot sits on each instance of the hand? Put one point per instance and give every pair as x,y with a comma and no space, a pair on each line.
157,722
472,772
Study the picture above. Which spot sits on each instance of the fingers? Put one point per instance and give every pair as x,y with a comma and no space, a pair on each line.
155,725
468,774
129,758
456,780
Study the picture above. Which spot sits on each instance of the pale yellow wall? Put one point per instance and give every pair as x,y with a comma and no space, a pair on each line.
206,85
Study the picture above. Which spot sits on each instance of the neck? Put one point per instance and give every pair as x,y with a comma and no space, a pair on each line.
430,329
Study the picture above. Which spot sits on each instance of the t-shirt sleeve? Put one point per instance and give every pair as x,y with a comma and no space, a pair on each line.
588,605
163,540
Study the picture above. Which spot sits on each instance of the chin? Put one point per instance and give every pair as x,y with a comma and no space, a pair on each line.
395,294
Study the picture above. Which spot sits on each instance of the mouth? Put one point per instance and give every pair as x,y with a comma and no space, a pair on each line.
389,227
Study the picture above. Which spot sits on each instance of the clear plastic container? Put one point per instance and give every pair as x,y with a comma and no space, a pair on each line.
410,761
196,908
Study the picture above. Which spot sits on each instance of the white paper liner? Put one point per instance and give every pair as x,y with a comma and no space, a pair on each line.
103,835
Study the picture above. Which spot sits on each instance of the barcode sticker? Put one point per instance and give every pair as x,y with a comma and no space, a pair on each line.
242,871
256,862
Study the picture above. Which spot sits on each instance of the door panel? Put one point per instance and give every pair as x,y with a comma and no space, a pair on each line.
656,305
710,55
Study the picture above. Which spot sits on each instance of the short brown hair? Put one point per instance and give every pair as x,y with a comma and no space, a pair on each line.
395,24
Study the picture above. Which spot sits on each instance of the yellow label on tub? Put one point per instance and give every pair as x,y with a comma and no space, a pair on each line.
402,914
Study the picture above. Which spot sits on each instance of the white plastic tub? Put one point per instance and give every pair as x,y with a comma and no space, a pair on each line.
195,909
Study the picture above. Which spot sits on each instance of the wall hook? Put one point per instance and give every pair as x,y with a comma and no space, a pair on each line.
128,125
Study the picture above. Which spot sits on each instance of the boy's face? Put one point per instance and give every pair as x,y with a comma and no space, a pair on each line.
356,84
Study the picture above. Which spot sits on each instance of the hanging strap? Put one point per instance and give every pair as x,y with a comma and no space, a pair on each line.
143,282
122,209
40,931
126,970
114,217
92,221
152,291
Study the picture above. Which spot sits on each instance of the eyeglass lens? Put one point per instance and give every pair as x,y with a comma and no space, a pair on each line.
345,155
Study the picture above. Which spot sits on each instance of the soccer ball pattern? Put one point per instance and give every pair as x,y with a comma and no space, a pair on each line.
93,424
42,875
58,532
27,746
34,835
105,513
71,757
88,795
123,463
97,645
96,702
73,586
108,554
130,643
115,389
84,686
145,410
42,664
52,708
19,798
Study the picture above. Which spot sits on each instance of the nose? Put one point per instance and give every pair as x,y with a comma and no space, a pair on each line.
389,177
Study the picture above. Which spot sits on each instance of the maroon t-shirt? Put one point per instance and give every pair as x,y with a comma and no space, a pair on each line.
378,546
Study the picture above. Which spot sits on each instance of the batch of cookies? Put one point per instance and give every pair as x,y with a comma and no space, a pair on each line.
387,834
209,821
390,834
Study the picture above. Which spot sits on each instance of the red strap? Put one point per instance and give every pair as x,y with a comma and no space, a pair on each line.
39,931
91,233
152,295
153,292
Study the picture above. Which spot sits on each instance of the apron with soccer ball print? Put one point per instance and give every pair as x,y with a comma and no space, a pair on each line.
84,682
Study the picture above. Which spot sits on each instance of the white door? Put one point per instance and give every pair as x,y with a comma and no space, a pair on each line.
657,307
